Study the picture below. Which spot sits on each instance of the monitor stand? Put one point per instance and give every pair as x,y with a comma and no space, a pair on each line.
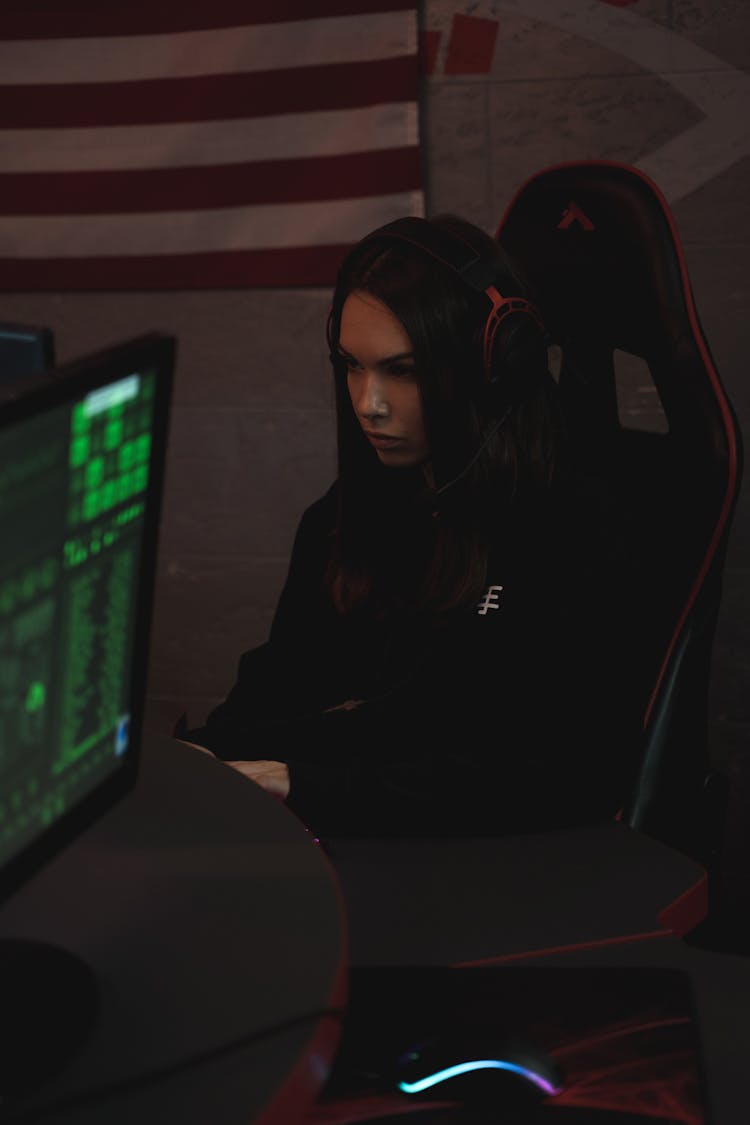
49,1001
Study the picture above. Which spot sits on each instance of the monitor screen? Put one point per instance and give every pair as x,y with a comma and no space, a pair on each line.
82,452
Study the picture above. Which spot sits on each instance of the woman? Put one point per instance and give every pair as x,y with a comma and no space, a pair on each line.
449,654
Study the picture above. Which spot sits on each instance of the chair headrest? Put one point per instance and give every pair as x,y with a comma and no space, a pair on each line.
599,246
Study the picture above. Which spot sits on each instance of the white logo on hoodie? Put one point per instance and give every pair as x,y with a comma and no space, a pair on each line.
491,600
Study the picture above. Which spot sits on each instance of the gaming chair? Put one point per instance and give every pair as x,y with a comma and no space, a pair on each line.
599,245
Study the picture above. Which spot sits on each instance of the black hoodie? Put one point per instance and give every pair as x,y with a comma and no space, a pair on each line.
521,713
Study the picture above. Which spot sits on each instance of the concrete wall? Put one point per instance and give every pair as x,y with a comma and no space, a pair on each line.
508,88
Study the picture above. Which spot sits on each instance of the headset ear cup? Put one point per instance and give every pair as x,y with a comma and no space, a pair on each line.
518,362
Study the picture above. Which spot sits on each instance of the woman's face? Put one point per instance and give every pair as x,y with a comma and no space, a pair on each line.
382,381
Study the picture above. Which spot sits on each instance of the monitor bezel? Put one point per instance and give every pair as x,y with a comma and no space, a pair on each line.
59,385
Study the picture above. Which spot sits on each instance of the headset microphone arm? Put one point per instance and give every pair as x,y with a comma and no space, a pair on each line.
487,437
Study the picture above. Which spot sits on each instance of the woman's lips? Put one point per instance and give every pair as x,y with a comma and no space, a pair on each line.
383,441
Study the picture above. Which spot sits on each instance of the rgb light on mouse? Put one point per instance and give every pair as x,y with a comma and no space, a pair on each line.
478,1064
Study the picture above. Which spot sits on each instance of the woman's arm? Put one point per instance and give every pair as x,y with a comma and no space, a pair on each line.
276,680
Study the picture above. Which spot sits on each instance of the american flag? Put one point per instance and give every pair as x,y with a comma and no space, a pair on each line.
154,145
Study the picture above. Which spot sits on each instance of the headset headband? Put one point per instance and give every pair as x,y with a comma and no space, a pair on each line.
450,249
462,258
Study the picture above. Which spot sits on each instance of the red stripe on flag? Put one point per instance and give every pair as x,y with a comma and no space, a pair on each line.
273,268
471,45
218,224
211,97
349,176
55,20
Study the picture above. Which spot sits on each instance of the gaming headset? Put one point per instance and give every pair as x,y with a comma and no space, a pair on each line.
514,341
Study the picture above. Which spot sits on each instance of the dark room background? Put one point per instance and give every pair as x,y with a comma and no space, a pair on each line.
500,90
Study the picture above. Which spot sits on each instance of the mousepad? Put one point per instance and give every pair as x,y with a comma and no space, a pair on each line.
534,1045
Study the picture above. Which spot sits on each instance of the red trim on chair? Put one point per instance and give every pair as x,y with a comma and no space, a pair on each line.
575,947
686,911
731,446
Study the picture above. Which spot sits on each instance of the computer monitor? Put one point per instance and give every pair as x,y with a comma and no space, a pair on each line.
25,349
82,458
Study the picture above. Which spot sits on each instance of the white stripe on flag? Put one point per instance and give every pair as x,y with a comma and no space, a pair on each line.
285,137
172,211
259,47
189,232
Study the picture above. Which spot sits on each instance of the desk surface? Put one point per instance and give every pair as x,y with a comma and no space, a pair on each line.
584,898
656,1031
486,900
209,916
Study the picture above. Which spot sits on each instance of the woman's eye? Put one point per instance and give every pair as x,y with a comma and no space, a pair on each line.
395,370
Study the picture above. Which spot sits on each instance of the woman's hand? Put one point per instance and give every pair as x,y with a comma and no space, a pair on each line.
271,776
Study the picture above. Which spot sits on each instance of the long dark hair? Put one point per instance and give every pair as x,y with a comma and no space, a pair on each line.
398,543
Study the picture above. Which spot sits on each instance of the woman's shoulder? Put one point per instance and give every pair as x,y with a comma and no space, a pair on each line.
318,519
312,540
323,510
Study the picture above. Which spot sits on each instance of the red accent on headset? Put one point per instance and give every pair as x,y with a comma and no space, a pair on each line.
503,307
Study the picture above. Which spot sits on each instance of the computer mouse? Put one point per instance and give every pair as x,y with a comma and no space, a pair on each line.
480,1070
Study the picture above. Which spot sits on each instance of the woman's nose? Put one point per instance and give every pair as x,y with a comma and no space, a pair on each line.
373,401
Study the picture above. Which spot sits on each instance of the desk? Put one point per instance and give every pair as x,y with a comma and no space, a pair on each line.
489,900
634,1027
592,897
208,915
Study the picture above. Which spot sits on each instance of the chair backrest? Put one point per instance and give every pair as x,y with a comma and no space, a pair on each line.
599,245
